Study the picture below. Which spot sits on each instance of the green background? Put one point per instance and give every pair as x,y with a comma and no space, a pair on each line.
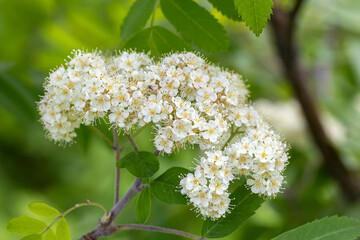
37,35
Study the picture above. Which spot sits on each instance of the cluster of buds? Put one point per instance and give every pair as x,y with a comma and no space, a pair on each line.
188,100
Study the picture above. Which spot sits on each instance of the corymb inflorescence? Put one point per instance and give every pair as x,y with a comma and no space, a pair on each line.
188,100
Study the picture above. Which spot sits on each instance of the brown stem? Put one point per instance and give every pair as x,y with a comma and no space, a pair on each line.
159,229
283,24
117,170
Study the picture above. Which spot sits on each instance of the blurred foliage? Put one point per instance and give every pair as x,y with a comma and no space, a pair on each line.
37,35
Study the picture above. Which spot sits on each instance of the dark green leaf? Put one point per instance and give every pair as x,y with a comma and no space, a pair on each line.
244,206
25,225
255,13
196,24
62,230
165,187
143,205
137,17
158,40
43,209
32,237
332,228
140,164
16,98
226,7
49,235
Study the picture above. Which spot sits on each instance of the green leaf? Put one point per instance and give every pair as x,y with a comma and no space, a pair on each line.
244,205
196,24
143,206
32,237
137,17
16,98
43,209
332,228
255,13
62,230
25,225
158,40
49,235
165,187
226,7
140,164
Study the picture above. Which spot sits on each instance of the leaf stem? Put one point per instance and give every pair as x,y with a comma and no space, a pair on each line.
117,151
158,229
103,136
76,206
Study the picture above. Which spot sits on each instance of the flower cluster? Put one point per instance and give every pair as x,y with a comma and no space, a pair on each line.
188,100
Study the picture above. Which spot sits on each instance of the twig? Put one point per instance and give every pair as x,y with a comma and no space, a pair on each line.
117,158
283,24
107,140
133,143
159,229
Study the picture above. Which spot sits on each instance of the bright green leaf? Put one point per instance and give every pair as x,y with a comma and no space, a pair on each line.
137,17
25,225
143,205
244,205
158,40
49,235
43,209
32,237
226,7
255,13
196,24
62,230
332,228
165,187
140,164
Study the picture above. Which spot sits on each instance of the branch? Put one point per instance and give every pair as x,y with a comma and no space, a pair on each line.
283,24
117,158
159,229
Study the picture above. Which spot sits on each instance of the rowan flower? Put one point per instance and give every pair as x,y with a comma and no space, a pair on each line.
188,100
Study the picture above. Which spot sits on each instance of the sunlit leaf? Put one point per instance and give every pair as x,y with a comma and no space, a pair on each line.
62,230
49,235
226,7
32,237
42,209
25,225
255,13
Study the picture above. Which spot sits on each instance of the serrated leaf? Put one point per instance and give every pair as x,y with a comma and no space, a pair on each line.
49,235
196,24
32,237
44,210
137,17
62,230
143,206
165,187
332,228
244,206
24,225
140,164
158,40
255,13
226,7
